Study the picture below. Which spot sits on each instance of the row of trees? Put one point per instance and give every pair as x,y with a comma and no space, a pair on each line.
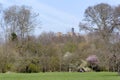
22,52
16,24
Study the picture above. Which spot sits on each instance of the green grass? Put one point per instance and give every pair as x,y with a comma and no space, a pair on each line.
61,76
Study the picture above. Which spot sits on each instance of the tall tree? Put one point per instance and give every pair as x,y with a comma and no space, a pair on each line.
20,20
101,18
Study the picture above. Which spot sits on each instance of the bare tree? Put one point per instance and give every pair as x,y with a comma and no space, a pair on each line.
20,20
101,18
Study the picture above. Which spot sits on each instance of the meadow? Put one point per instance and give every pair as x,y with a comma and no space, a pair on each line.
61,76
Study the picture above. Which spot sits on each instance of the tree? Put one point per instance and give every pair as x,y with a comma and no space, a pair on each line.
17,22
20,20
101,18
93,62
103,23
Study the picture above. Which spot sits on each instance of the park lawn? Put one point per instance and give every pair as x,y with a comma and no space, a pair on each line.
61,76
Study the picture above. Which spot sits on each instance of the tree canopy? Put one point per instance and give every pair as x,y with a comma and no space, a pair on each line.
102,18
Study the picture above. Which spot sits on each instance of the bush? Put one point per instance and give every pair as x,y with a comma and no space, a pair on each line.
27,66
33,68
93,62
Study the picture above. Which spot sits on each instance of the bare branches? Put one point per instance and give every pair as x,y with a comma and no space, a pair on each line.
20,20
101,18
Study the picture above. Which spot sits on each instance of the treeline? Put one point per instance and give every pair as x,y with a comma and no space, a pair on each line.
22,52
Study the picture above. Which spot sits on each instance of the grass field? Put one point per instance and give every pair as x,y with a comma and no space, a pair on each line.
60,76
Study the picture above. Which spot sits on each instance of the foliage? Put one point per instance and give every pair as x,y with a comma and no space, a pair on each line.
22,52
93,62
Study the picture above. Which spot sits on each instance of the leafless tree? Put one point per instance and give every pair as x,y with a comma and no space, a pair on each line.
20,20
101,18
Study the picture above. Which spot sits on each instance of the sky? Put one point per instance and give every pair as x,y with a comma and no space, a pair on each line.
58,15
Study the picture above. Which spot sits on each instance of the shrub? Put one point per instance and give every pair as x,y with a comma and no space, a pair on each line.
33,68
92,59
93,62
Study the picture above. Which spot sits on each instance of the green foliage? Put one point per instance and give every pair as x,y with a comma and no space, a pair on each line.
13,36
54,64
70,46
28,66
32,68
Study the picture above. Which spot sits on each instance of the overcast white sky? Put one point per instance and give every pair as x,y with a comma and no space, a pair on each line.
58,15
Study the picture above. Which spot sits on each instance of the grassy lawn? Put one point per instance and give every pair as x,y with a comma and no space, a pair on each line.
61,76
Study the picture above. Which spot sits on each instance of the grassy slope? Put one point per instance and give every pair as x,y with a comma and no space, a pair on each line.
60,76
